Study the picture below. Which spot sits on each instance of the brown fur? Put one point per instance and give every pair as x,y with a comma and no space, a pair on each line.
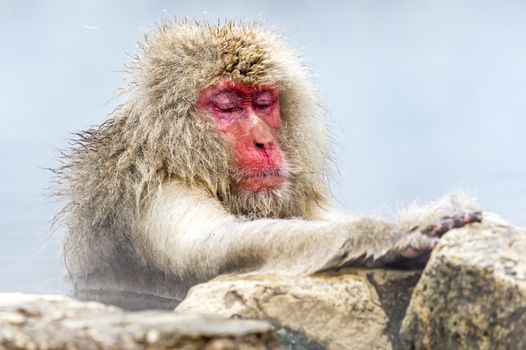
149,194
156,135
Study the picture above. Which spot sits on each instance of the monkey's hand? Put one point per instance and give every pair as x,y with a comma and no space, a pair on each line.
414,248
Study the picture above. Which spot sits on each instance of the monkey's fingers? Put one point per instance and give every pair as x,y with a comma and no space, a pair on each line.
412,251
452,222
419,248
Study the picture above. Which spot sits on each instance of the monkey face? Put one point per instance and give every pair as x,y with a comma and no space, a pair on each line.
249,119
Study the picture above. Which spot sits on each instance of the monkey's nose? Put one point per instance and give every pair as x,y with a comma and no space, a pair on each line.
263,139
264,146
262,136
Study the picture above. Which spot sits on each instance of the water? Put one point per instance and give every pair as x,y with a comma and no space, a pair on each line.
423,97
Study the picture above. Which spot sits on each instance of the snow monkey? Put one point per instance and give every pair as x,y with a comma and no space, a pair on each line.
215,163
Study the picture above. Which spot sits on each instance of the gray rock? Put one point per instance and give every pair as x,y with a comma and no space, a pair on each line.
350,309
56,322
472,294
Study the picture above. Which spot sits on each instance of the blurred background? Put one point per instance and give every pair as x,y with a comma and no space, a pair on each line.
423,97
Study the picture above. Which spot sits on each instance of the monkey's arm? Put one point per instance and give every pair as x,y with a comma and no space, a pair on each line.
192,235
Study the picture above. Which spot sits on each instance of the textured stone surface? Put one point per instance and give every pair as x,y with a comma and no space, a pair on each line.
358,309
472,294
56,322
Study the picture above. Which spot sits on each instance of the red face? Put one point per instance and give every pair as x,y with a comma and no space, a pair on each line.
249,119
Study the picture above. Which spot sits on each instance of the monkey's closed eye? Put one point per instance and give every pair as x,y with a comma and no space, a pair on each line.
264,99
226,102
228,109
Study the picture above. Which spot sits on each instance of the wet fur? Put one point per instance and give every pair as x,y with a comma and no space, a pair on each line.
154,186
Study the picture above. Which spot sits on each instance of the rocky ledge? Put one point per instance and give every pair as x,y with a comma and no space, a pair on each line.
350,309
471,295
56,322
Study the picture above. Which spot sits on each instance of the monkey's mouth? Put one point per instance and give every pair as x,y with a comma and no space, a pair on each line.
262,181
262,174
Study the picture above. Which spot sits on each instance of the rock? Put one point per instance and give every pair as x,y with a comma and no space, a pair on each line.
472,294
56,322
354,308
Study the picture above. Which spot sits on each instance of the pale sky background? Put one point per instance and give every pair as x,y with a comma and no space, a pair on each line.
423,97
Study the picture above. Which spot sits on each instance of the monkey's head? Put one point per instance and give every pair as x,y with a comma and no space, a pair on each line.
229,108
249,119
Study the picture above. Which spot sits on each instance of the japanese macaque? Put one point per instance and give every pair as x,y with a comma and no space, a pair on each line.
217,163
